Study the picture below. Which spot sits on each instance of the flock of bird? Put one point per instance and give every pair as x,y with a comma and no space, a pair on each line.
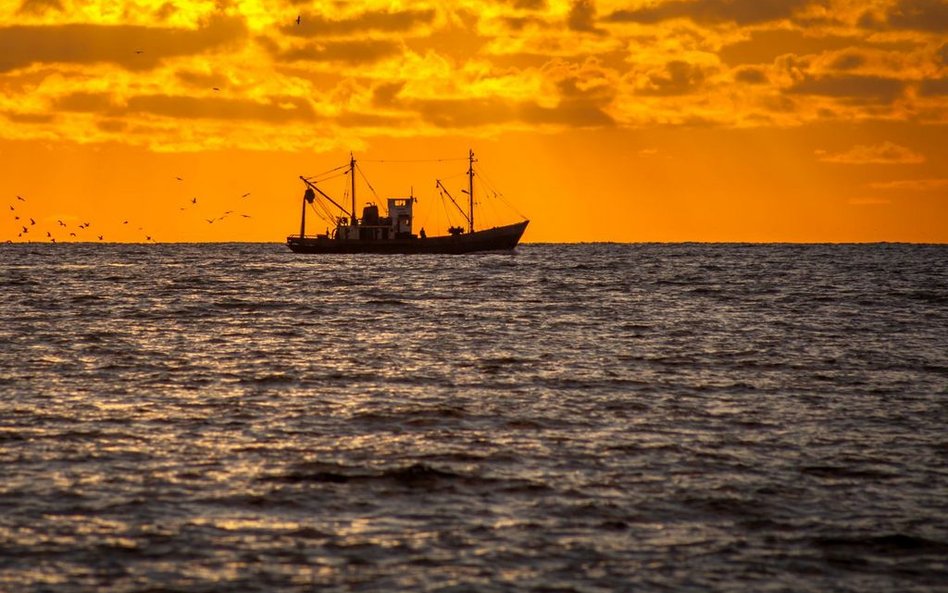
81,232
25,229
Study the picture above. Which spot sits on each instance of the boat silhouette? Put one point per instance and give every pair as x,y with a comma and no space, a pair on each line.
393,233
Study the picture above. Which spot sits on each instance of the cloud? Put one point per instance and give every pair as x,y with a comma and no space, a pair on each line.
21,46
468,113
30,118
84,102
358,51
930,16
582,17
848,61
527,4
676,78
750,75
380,20
875,89
935,87
277,110
742,12
39,6
911,184
886,153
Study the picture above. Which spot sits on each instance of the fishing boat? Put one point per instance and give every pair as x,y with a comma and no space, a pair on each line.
393,232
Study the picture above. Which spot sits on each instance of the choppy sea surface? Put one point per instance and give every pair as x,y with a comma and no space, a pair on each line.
589,418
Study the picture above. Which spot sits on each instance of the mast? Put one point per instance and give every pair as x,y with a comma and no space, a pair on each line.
303,219
352,175
470,190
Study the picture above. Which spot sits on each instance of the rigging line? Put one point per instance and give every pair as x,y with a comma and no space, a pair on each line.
327,178
364,178
317,213
447,215
410,160
346,166
498,194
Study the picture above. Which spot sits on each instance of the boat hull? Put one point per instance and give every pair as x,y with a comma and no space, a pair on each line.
502,238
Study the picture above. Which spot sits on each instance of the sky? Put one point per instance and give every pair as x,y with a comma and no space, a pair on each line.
625,120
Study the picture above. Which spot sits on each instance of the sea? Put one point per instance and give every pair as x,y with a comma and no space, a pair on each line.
560,418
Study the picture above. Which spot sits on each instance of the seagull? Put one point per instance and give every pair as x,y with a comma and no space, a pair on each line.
20,198
100,237
298,19
26,230
245,195
126,222
12,208
61,223
179,179
245,215
216,89
72,234
210,220
48,234
32,221
148,237
194,200
16,218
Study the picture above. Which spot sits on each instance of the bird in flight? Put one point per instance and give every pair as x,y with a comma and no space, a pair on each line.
216,89
32,221
194,200
61,223
139,51
20,198
100,237
210,220
179,179
72,234
126,222
245,195
48,234
298,19
245,215
12,208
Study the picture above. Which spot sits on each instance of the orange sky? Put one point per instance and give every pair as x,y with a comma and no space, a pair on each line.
626,120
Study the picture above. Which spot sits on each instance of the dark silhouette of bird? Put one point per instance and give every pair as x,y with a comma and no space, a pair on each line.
53,240
216,89
12,208
48,234
245,195
148,237
16,218
72,234
32,221
126,222
210,220
139,51
61,223
21,198
194,200
26,230
179,179
298,19
246,215
100,237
